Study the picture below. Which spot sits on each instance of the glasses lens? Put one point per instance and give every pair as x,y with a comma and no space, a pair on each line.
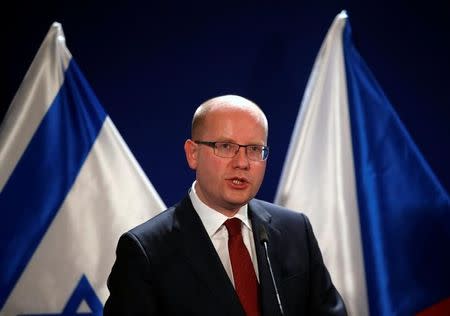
226,150
254,152
229,150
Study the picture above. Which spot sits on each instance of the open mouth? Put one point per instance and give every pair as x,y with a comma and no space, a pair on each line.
239,181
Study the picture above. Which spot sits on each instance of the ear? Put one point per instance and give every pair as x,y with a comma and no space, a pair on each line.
191,151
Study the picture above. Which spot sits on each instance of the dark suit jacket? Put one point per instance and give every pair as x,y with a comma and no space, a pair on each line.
168,266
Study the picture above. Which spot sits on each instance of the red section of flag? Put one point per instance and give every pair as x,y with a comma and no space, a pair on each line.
440,309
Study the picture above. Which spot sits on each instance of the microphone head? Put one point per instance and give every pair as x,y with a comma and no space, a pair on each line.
263,237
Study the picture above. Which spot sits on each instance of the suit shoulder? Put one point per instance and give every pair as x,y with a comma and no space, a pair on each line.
158,225
277,211
153,238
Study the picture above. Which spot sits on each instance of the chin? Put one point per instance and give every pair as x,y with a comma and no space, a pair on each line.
239,201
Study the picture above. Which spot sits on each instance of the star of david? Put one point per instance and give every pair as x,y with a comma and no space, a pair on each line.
83,292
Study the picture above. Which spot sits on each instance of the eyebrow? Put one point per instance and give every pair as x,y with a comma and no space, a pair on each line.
235,142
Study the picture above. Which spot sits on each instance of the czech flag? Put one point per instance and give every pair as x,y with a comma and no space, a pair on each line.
381,216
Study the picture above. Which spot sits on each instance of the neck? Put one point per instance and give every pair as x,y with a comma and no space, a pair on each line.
226,212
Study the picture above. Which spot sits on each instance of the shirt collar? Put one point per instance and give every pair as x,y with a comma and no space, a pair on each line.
212,219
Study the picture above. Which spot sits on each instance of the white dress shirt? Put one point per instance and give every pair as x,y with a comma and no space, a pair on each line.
214,225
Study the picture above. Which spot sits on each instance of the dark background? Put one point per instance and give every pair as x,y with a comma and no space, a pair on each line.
151,63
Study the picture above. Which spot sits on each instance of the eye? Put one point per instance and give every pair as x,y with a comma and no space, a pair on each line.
255,148
224,146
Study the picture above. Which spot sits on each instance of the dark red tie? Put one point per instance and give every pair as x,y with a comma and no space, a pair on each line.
245,281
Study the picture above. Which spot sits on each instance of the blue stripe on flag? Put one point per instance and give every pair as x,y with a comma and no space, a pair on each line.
404,211
45,173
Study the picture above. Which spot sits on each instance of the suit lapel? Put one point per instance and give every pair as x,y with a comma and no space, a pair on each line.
261,218
201,255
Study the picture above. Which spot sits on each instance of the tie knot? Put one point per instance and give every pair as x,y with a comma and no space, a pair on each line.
233,226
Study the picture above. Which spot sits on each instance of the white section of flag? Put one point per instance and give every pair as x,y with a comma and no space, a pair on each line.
318,175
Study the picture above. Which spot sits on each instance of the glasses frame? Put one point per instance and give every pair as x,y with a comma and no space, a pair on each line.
265,149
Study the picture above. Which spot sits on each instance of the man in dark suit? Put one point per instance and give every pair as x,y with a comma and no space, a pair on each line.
192,260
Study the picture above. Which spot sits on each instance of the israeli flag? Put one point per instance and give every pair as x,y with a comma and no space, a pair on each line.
381,216
69,187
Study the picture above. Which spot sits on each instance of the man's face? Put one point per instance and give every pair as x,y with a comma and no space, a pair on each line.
225,184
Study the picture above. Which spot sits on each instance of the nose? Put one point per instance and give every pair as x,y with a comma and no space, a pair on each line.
241,159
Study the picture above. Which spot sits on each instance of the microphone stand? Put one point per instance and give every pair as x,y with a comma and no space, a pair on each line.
265,240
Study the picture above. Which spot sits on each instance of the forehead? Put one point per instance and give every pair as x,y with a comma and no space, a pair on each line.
235,124
234,112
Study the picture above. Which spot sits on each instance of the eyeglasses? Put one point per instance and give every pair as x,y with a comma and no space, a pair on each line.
229,150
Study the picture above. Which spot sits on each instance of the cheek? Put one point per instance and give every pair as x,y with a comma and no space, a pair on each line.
259,173
210,169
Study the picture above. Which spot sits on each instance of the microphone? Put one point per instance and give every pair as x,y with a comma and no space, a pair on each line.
264,238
